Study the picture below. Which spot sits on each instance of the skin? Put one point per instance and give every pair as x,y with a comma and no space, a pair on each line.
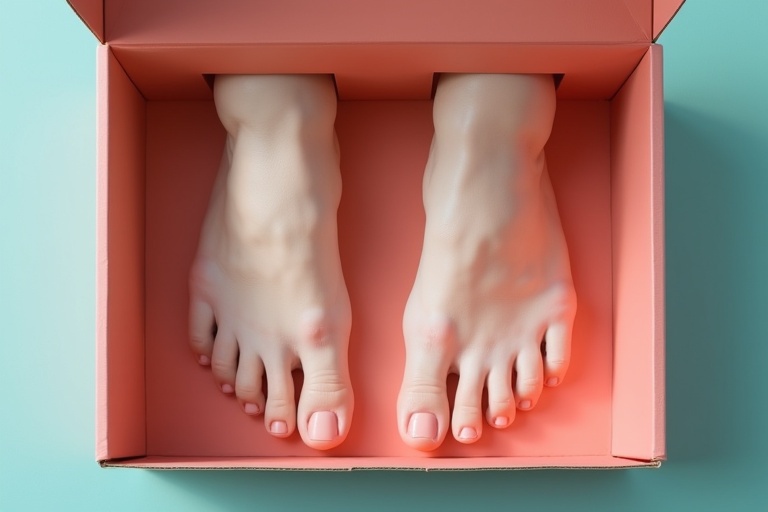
493,298
267,294
494,280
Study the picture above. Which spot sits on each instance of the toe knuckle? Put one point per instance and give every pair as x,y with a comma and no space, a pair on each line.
530,382
221,368
247,390
467,409
199,340
280,402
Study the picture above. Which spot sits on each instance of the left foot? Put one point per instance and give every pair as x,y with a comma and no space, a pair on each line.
493,298
267,294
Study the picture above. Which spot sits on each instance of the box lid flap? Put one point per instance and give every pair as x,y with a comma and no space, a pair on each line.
92,14
404,21
663,12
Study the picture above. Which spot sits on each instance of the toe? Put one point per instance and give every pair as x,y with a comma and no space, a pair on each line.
557,352
224,361
280,411
467,421
202,328
530,379
501,400
250,370
422,406
326,403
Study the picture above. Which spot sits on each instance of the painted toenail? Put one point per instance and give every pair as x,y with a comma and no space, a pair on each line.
251,409
227,389
204,360
278,427
553,381
323,426
525,404
501,421
423,425
468,433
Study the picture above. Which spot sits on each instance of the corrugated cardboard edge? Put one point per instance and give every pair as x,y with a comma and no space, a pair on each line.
348,464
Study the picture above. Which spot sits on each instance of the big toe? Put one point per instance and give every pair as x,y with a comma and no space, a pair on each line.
422,409
326,403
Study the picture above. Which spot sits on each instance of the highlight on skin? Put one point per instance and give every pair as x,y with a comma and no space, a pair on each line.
494,281
267,294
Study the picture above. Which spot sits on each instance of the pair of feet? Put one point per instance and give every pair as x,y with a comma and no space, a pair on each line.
493,298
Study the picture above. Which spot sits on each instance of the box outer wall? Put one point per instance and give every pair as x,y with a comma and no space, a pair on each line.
121,434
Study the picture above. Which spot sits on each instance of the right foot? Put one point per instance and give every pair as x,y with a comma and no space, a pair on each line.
267,294
493,298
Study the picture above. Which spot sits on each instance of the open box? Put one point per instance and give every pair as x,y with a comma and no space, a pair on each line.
159,146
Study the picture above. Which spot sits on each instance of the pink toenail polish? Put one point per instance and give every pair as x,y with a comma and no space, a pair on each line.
251,409
227,389
423,425
468,433
553,381
323,426
278,427
204,360
525,404
501,421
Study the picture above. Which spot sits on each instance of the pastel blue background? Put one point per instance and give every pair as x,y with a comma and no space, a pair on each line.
717,299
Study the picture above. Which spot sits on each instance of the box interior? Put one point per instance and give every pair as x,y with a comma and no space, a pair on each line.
159,157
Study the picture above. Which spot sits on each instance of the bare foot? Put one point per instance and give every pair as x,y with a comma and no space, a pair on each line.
267,292
493,298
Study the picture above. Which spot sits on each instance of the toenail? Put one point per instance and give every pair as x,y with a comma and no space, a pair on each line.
204,360
501,421
278,427
525,404
468,433
251,409
323,426
552,381
227,389
423,425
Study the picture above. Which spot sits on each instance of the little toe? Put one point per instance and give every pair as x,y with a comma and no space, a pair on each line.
326,403
202,329
530,379
250,370
557,352
280,411
467,420
501,401
224,361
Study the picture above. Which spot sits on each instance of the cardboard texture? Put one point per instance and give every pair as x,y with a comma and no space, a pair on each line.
160,142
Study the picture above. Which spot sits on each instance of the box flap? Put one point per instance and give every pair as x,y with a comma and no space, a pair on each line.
663,12
401,21
92,14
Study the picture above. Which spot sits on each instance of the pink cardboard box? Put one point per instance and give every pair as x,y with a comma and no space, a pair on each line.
159,146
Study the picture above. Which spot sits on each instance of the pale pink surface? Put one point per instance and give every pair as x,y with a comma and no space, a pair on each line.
120,252
638,255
